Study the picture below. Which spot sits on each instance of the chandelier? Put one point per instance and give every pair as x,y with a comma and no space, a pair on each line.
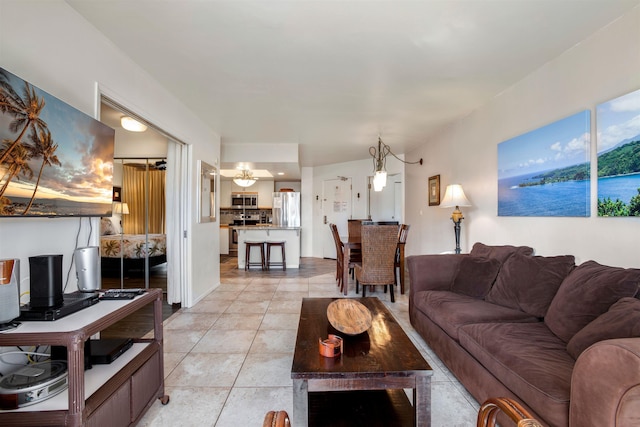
380,162
245,178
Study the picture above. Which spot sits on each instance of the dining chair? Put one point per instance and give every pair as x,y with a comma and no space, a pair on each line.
403,232
493,406
354,227
379,244
339,253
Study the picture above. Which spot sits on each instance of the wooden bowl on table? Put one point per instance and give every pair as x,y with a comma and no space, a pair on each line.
349,316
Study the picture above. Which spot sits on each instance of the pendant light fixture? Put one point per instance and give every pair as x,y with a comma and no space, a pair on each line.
380,162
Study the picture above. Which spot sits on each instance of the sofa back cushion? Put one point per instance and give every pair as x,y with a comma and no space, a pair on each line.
587,292
475,276
621,321
501,253
529,283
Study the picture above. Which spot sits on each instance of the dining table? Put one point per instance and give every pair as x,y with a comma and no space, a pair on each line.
355,242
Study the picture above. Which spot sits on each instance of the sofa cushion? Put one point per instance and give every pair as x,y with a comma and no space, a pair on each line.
450,311
475,276
529,283
529,360
621,321
501,253
587,292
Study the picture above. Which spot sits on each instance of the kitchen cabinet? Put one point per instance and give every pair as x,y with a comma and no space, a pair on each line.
116,394
263,187
224,240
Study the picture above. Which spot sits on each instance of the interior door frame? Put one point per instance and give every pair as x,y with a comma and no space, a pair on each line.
103,94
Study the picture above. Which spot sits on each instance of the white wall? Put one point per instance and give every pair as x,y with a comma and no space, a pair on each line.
48,44
358,171
600,68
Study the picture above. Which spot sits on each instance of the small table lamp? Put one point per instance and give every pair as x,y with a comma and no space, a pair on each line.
120,208
454,196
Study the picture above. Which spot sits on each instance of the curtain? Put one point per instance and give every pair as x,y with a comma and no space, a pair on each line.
175,208
138,182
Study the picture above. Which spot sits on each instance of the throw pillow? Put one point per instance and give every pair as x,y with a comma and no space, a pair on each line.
587,292
106,227
475,276
501,253
529,283
621,321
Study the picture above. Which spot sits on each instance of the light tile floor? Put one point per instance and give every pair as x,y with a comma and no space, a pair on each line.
228,358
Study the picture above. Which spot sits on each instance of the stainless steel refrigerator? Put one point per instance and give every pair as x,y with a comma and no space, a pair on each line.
286,209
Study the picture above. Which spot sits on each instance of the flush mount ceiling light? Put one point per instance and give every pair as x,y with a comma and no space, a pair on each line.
245,179
132,125
380,162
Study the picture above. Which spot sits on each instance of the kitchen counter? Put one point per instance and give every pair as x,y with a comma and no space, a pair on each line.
266,233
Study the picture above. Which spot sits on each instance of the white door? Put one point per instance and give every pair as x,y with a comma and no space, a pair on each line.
336,209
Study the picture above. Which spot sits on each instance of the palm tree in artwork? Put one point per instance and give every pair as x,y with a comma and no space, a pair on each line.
25,111
43,146
18,164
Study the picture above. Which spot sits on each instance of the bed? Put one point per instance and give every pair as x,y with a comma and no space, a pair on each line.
134,247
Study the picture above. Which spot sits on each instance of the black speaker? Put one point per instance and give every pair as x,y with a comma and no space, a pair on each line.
46,281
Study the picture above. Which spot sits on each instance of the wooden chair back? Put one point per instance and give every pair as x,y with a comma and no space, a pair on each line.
354,227
493,406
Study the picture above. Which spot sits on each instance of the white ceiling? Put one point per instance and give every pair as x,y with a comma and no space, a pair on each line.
332,75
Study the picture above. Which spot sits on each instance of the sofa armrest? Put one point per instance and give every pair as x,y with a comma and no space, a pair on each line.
605,385
432,272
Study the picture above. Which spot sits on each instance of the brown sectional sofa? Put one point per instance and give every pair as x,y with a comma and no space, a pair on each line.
563,340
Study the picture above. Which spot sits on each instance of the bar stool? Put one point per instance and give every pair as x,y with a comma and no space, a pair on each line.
284,258
247,255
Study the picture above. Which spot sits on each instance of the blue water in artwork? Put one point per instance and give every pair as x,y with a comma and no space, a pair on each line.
569,198
622,187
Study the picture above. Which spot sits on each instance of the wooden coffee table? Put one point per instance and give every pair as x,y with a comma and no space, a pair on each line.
363,386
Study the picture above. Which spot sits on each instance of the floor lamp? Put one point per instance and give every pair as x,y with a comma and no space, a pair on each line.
454,196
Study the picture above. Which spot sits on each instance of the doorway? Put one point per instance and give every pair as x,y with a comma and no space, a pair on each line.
146,243
386,205
336,209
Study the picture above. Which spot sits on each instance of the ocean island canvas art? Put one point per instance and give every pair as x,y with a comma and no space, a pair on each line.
618,130
54,159
546,172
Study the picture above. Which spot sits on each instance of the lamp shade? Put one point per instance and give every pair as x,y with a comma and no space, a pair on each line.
454,196
379,180
121,208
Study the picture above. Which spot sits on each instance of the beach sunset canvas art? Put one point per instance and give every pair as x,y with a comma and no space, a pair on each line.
54,159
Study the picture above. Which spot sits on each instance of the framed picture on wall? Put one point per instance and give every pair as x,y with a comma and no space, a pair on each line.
117,194
434,190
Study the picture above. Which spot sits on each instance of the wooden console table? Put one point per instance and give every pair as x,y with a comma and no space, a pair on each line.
116,394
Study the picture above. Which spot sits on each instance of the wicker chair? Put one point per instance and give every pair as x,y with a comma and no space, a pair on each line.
490,409
379,243
276,419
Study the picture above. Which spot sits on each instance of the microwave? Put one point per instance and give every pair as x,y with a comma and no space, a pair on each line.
244,200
